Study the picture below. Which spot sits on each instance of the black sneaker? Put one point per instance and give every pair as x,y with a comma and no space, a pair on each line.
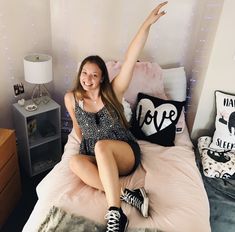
137,198
117,220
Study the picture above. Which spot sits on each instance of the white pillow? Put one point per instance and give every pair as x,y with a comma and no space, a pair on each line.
224,135
175,85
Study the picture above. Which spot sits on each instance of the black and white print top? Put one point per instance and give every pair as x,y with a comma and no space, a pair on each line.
99,126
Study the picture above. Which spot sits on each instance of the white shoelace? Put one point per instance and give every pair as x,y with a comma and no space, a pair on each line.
113,217
129,198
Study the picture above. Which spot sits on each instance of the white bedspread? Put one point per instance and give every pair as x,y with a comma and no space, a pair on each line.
178,201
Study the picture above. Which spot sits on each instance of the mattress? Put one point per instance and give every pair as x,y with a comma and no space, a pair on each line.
178,200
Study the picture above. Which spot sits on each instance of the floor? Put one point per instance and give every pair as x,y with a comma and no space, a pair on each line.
20,214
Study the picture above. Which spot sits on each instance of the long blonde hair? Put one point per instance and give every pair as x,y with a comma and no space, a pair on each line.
107,94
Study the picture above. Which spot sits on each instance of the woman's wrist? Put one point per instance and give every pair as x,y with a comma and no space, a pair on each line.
145,27
146,24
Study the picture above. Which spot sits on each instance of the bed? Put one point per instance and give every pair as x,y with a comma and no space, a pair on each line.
178,200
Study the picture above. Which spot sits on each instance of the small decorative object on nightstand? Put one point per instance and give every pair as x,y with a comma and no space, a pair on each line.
10,185
39,136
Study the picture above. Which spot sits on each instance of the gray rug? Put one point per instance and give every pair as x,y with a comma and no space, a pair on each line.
58,220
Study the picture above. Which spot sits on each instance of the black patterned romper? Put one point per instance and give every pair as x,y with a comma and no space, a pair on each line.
101,126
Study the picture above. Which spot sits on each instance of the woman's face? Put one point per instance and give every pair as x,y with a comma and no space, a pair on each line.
91,76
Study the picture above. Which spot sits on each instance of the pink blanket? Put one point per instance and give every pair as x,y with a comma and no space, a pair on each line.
178,201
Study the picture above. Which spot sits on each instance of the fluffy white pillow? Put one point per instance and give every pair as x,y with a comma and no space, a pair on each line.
127,109
224,135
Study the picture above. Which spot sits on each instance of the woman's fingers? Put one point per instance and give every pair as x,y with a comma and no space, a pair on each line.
156,13
160,6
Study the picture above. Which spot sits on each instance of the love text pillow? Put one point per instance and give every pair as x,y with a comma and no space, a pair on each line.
224,135
155,119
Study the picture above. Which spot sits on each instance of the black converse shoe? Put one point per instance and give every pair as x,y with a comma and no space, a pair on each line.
137,198
117,220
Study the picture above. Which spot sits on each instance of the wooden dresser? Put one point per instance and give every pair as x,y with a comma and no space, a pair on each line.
10,184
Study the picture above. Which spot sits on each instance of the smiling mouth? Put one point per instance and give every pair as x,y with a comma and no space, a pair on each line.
86,84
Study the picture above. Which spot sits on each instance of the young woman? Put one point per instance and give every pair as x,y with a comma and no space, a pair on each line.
108,150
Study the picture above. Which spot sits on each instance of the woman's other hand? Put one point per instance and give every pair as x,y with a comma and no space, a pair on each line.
156,14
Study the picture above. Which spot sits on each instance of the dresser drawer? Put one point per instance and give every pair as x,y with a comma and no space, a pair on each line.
7,171
9,197
7,146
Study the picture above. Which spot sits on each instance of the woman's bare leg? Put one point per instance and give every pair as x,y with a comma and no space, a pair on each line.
85,167
114,158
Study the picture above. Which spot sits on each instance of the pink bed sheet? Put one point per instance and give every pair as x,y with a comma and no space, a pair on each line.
178,201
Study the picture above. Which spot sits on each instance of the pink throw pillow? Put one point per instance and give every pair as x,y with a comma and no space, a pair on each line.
147,78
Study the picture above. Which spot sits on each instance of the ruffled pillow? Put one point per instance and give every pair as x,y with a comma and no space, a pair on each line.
147,78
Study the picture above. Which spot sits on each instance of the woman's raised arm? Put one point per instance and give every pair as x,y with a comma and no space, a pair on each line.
121,82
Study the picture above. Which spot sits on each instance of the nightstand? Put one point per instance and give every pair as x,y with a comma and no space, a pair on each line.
38,134
10,185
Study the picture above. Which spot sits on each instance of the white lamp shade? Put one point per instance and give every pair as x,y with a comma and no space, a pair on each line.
38,68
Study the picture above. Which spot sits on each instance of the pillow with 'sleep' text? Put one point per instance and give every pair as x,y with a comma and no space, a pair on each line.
224,135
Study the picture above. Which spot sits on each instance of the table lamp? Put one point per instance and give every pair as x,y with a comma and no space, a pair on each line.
38,71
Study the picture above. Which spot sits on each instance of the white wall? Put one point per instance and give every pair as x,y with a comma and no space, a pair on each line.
218,75
71,30
24,28
81,28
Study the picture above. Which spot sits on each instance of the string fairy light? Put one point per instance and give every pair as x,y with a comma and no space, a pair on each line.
96,17
64,59
123,40
7,51
187,37
211,13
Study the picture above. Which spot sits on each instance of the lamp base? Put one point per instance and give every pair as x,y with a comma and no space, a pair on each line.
40,94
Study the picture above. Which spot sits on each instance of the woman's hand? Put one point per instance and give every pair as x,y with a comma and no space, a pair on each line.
156,14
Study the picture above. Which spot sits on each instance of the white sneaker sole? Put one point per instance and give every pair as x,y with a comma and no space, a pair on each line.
127,222
145,206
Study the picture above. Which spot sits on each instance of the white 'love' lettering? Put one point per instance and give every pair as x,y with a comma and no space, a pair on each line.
151,119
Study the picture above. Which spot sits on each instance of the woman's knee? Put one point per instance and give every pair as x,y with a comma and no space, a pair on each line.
102,147
103,150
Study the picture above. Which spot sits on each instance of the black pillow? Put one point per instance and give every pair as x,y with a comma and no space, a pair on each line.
155,119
